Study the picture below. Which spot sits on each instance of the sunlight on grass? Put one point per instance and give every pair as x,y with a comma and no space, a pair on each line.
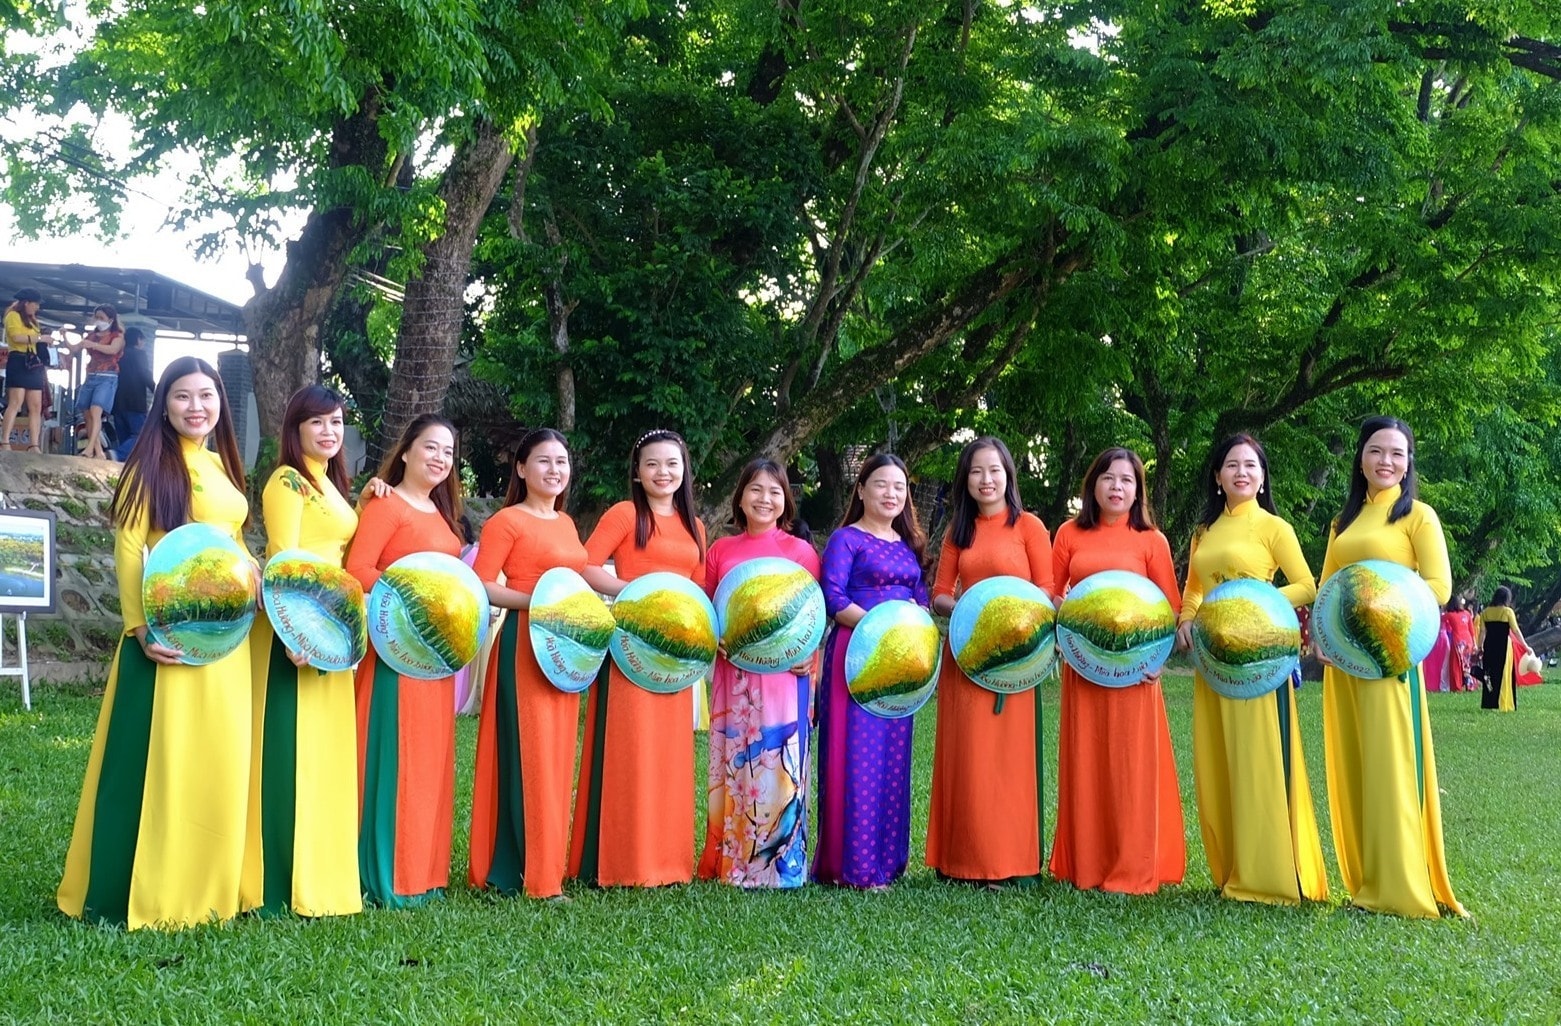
923,952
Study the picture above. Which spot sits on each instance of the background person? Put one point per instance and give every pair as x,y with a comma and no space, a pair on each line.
1496,629
130,394
103,344
26,372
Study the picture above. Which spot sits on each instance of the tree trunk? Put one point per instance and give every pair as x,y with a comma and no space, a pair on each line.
284,323
430,332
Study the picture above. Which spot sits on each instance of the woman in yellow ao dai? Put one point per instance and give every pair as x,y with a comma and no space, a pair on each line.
302,852
1382,787
1254,800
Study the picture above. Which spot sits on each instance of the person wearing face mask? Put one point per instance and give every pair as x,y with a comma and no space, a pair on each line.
864,762
406,727
634,806
103,343
160,830
984,823
1382,786
757,827
303,824
524,778
1119,808
1254,800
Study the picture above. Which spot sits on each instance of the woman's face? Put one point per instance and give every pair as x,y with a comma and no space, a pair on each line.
1116,489
660,469
762,502
1241,475
1385,459
320,436
988,481
193,406
546,470
431,457
883,493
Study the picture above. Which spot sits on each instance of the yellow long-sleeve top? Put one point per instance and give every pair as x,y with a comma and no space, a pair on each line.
1415,540
18,336
1248,542
304,514
213,500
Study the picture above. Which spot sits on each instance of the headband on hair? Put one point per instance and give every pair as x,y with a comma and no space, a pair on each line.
657,431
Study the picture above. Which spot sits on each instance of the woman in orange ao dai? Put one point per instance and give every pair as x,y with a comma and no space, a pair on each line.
1119,810
406,727
985,819
526,735
634,807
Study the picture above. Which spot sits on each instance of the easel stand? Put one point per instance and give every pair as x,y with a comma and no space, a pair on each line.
20,669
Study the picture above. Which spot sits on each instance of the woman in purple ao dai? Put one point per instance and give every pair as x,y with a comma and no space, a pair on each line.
864,766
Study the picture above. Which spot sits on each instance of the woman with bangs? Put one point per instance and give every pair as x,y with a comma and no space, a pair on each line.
984,823
1119,808
303,824
864,762
526,733
756,830
406,727
634,806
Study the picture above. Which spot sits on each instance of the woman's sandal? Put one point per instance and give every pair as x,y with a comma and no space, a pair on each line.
34,448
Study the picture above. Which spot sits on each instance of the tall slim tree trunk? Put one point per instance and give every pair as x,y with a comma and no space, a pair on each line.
430,333
284,323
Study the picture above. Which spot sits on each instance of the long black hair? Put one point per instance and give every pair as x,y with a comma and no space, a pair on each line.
682,499
906,524
155,480
1213,497
1356,498
962,522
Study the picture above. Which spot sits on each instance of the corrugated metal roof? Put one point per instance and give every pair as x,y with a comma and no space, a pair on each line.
70,291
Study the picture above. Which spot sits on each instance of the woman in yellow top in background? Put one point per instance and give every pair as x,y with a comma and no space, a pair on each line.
1254,801
1382,788
26,376
159,838
303,808
1495,629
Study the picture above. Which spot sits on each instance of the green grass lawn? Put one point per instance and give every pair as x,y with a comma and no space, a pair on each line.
923,952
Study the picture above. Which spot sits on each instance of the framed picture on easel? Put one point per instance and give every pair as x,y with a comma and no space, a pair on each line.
26,561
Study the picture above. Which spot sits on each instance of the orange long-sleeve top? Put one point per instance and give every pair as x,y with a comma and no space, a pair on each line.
669,548
389,529
1077,553
525,546
996,550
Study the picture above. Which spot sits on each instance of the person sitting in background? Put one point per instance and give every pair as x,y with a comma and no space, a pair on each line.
103,342
135,382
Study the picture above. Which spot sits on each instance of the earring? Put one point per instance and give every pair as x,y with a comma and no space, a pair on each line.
1219,490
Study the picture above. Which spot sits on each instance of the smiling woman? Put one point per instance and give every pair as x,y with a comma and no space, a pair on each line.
302,852
160,832
1382,784
406,731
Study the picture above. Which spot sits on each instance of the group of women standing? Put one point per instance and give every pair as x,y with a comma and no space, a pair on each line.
257,782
